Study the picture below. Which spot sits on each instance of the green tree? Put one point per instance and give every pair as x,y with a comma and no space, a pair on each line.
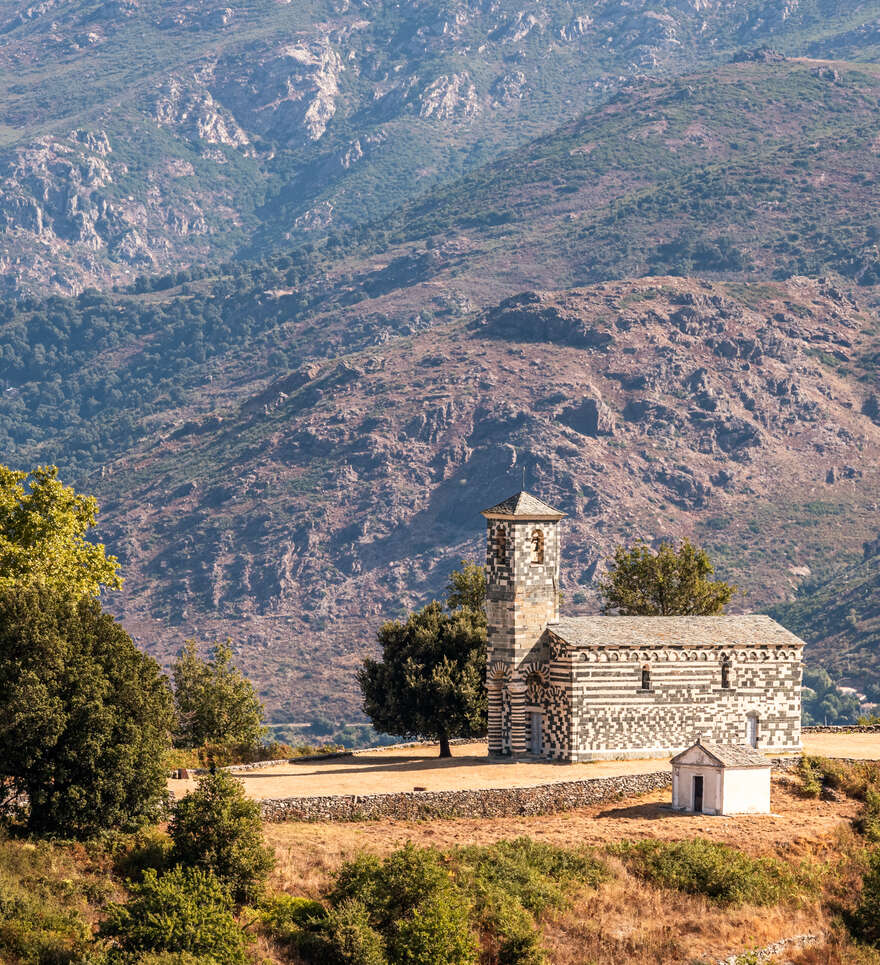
217,828
430,680
43,526
85,717
670,582
466,588
214,702
186,910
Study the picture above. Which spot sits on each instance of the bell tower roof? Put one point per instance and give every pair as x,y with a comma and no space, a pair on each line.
523,505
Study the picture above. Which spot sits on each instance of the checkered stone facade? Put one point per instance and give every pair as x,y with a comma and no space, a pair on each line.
594,688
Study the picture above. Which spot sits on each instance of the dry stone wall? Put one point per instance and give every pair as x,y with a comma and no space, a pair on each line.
479,803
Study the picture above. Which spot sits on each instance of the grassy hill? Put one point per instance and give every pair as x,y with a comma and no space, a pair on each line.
142,136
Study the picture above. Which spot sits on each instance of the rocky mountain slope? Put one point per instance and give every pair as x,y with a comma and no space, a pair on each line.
139,136
345,492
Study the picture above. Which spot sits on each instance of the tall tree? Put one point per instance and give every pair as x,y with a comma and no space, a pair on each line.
467,587
214,702
430,680
671,582
43,527
85,717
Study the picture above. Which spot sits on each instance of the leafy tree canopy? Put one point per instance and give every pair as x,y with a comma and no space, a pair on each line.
670,582
85,717
218,829
43,525
430,678
467,587
214,702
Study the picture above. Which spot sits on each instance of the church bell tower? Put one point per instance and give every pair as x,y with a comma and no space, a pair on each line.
522,598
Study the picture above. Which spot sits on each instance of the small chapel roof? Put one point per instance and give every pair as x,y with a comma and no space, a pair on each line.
728,755
720,631
524,505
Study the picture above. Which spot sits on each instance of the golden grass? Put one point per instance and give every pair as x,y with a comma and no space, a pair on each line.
625,921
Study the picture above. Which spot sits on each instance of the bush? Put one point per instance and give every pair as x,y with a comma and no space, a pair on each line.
537,875
509,930
723,874
134,854
351,939
217,828
281,911
186,910
865,920
411,901
811,783
868,822
435,932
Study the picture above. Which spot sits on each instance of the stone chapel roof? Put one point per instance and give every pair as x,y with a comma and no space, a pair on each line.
729,755
718,631
525,505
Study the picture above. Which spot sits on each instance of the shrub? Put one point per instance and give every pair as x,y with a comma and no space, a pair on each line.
41,913
537,875
411,901
393,887
351,939
723,874
865,920
217,828
436,931
186,910
134,854
811,784
509,930
868,822
287,916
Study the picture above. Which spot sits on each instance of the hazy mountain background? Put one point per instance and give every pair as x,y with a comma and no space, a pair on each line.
299,288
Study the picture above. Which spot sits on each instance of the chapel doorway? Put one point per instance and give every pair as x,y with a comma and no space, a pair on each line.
698,793
536,733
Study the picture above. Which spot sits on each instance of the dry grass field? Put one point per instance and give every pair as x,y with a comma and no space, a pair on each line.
626,921
403,769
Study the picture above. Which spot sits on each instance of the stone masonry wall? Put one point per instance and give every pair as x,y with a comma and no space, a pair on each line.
479,803
614,716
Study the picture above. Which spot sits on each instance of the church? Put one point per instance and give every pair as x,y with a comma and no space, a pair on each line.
601,687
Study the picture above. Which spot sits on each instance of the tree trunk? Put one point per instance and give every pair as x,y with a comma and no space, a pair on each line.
445,750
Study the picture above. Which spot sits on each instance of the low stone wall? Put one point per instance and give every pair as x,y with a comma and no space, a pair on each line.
479,803
841,729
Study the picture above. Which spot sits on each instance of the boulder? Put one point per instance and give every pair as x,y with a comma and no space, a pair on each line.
591,417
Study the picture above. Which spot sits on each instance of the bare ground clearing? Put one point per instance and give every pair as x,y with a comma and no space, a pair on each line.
403,769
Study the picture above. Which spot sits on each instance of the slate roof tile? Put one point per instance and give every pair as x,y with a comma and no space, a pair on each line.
752,629
523,504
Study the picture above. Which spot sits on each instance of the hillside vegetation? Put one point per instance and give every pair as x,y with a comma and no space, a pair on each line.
840,616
